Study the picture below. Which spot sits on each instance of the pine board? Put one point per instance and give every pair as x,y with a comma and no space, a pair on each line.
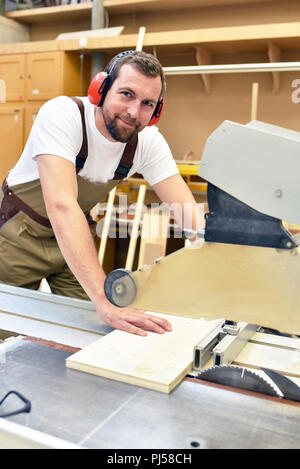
282,360
157,361
292,343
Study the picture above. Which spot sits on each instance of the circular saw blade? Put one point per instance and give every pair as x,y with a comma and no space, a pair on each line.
289,389
238,377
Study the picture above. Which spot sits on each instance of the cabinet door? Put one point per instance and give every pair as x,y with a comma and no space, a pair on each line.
11,138
12,73
43,76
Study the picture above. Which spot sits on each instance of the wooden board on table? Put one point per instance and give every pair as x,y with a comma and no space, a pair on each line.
157,361
281,354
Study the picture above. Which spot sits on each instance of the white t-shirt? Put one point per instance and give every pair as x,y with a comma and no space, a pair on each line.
57,130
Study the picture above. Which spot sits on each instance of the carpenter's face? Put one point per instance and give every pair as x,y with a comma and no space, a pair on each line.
130,103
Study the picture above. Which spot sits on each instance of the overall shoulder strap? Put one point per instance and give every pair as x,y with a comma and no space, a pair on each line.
127,159
83,152
12,204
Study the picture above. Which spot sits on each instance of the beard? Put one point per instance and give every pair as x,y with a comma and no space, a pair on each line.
118,131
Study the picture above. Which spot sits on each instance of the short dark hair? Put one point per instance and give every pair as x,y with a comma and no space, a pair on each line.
142,61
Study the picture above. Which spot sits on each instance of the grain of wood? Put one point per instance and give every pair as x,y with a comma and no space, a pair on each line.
286,361
157,361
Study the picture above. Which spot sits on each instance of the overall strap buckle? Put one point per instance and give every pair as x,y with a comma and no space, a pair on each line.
126,161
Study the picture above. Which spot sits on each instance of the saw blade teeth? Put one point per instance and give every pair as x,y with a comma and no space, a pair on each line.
265,378
258,383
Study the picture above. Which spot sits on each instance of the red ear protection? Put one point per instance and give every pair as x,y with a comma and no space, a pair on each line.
157,113
99,87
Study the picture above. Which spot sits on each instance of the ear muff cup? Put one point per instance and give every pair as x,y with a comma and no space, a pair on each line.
157,113
98,88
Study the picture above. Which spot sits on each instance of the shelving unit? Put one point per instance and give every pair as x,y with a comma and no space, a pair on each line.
124,6
217,40
53,13
116,7
266,34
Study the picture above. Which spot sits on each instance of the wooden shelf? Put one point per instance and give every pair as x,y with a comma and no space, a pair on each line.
216,40
83,10
225,39
134,6
55,13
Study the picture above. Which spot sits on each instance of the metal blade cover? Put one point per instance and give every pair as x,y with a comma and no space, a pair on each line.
238,377
289,389
120,288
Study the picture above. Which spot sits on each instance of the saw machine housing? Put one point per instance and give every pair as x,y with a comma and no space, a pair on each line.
253,184
247,267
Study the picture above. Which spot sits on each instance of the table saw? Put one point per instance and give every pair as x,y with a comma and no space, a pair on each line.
224,401
70,409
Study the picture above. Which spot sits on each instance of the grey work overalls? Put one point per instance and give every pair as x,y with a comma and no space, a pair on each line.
28,248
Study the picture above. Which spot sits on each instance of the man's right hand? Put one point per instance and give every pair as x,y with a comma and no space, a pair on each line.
132,320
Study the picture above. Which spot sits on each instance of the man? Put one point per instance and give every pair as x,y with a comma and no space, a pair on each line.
45,231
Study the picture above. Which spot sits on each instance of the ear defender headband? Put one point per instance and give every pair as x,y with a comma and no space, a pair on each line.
100,85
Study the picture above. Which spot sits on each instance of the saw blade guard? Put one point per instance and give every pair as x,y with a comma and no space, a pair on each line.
120,288
258,164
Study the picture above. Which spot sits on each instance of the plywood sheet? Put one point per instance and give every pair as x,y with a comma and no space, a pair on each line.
157,361
282,360
292,343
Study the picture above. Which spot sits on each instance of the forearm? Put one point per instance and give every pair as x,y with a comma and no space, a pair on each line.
76,243
77,246
188,214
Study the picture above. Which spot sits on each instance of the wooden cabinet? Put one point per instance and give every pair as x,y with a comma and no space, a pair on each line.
30,80
11,137
12,72
43,76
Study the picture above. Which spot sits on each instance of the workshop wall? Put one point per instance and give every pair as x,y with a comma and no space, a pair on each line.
12,31
191,114
236,14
